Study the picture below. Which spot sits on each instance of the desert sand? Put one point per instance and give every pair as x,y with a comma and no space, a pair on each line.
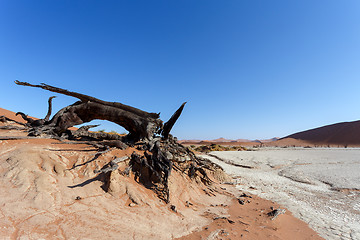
343,134
49,190
320,186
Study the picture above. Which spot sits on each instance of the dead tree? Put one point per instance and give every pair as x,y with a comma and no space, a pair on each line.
37,122
5,119
169,124
162,152
140,124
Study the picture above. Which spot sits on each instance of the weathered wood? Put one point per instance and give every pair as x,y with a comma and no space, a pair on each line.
37,122
16,137
140,124
79,113
9,127
161,153
169,124
47,117
28,120
86,98
112,166
83,132
6,119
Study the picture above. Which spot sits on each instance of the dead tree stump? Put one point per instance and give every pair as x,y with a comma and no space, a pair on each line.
162,152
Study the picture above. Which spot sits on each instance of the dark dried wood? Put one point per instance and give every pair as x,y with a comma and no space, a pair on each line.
37,122
162,154
86,98
12,128
140,124
169,124
47,117
16,137
6,119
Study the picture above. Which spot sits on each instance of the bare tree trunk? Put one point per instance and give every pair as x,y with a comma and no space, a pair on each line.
86,98
139,127
140,124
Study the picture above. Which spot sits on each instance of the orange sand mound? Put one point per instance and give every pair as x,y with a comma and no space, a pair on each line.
49,190
11,115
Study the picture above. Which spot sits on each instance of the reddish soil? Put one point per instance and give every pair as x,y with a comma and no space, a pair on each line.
47,185
250,221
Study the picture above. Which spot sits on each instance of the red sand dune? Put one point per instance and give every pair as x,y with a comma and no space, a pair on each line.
338,134
345,133
223,140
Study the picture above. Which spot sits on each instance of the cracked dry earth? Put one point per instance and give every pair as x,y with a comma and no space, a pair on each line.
320,186
49,191
52,190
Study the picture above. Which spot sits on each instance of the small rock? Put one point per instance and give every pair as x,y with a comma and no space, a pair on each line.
245,195
275,212
78,198
241,201
132,204
223,232
173,208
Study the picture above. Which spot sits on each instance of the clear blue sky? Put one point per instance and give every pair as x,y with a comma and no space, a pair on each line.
248,69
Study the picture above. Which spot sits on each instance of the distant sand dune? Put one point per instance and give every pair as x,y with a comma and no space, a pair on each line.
345,133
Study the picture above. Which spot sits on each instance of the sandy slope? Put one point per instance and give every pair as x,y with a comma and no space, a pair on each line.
39,189
48,190
10,114
345,133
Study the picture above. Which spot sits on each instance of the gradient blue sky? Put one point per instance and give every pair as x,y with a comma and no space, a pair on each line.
248,69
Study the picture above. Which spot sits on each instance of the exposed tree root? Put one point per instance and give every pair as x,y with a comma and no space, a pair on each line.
37,122
12,128
6,119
